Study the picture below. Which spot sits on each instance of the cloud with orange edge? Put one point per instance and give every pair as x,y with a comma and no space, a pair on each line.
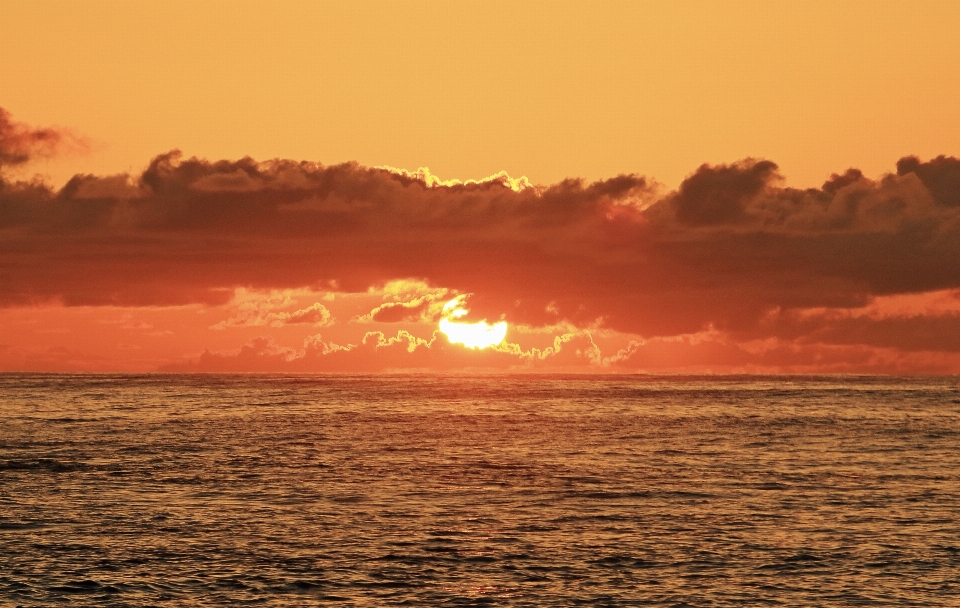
733,269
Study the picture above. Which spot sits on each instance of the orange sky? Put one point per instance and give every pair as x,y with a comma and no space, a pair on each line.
227,265
544,89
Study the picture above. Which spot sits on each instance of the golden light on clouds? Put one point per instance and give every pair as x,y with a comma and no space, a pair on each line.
430,180
472,335
727,188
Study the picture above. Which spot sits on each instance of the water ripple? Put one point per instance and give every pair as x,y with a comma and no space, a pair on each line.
479,490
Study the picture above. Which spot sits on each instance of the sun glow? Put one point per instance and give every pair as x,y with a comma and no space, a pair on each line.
472,335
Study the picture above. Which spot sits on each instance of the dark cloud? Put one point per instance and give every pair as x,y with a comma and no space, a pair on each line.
719,195
941,176
907,332
730,245
20,143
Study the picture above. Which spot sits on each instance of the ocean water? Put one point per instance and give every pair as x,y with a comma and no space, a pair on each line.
479,490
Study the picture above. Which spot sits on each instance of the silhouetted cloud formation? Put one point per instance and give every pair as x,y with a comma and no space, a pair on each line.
720,195
20,143
733,248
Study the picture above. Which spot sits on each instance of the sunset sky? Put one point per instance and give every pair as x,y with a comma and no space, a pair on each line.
628,187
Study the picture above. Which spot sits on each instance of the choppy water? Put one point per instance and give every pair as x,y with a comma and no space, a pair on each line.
483,490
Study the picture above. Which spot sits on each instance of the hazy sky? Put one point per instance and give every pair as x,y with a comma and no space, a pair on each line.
549,90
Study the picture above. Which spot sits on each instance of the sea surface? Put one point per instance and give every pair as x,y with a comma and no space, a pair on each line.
205,490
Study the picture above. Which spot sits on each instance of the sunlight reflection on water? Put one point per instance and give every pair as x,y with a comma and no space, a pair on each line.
492,490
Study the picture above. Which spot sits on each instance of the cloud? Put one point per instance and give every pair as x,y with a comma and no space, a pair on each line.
395,312
254,309
730,247
941,176
718,195
430,180
411,300
20,143
379,352
316,314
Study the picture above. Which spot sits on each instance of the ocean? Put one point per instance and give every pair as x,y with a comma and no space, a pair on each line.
479,490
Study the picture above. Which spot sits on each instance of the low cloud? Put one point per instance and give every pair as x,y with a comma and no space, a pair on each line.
403,350
21,143
733,249
395,312
254,309
410,301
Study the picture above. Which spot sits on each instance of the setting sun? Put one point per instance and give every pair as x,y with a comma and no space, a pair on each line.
472,335
456,303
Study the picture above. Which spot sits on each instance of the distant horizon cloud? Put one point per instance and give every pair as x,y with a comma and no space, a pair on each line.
732,252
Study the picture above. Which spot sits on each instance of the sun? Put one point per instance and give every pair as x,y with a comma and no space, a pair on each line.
472,335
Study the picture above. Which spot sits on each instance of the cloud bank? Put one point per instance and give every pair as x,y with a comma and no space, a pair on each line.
733,249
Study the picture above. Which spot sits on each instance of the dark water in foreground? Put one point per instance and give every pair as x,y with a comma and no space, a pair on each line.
516,491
